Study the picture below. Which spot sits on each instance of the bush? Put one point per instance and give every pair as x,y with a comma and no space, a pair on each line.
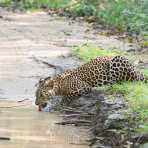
84,8
35,4
124,15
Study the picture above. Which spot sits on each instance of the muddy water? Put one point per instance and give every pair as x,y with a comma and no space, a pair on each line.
28,128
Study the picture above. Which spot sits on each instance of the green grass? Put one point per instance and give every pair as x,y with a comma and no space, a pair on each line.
135,93
89,51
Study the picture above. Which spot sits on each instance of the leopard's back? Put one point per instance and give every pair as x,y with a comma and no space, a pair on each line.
95,72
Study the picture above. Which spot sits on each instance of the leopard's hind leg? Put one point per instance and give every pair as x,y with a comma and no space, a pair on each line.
122,70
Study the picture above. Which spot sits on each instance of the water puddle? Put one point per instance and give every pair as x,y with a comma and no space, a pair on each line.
28,128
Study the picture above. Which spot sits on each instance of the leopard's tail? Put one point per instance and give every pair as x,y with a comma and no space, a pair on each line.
139,76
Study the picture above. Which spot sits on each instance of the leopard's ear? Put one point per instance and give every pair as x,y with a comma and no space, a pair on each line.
47,78
49,82
41,80
44,79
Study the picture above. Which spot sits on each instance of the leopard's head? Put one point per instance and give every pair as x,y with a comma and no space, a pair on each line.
42,92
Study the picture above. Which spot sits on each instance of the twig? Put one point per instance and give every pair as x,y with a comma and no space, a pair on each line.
73,122
79,143
22,100
75,115
71,111
4,138
75,111
43,62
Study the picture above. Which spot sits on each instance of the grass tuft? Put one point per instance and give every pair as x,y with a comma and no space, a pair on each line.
136,95
90,51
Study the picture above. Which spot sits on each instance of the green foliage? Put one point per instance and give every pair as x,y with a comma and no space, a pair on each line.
125,15
84,8
35,4
5,3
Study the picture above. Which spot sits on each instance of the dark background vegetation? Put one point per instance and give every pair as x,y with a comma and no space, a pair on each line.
131,16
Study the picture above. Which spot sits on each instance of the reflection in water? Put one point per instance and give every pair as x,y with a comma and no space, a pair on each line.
28,128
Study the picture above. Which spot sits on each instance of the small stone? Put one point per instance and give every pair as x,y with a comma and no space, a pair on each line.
114,120
116,116
109,101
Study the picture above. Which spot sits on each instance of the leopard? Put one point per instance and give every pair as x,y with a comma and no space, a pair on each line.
79,81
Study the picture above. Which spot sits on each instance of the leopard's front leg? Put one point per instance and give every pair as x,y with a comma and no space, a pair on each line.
74,89
70,88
